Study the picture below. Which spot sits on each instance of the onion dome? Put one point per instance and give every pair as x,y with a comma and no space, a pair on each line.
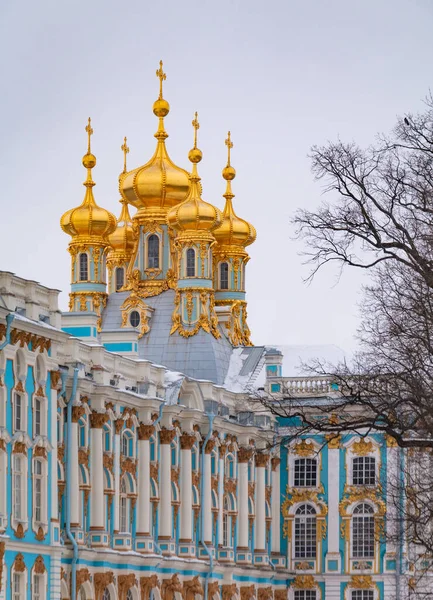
88,222
194,214
233,230
159,184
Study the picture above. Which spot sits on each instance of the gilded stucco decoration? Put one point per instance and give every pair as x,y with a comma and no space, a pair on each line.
296,496
304,448
362,447
147,584
304,582
208,321
192,588
135,302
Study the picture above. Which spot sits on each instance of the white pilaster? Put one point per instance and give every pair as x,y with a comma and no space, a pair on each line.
75,481
97,512
207,494
186,443
244,455
143,505
165,516
276,508
260,528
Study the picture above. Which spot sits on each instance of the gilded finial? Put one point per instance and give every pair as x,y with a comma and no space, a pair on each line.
196,126
195,154
162,77
229,172
89,131
229,145
125,149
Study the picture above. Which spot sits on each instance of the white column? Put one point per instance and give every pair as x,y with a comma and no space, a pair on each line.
97,512
276,508
143,505
333,495
54,441
166,436
244,455
222,452
77,413
260,541
186,443
207,494
393,472
118,424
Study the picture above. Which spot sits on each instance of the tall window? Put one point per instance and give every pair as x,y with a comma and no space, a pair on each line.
363,532
123,506
153,252
224,276
17,487
305,472
362,595
305,595
37,489
37,417
120,278
190,262
106,595
305,532
17,587
37,591
18,412
129,595
364,470
226,523
84,267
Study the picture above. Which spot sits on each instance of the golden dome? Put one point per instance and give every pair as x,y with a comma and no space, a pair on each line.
123,238
233,230
194,214
159,184
88,220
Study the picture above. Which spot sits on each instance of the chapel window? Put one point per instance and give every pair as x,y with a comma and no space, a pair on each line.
363,532
190,262
134,318
153,252
84,267
305,532
224,276
364,470
120,278
305,472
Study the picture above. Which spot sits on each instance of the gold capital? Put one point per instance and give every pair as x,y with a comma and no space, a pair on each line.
125,149
162,77
196,126
89,131
229,145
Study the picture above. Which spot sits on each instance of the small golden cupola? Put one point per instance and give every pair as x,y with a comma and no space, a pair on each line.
159,184
122,241
230,259
194,216
194,221
89,226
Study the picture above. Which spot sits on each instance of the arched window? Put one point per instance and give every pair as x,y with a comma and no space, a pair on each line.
226,523
39,370
153,252
37,417
38,490
129,595
18,412
230,466
364,470
190,262
305,472
106,595
123,508
305,532
363,532
224,276
120,278
84,267
18,487
107,438
127,444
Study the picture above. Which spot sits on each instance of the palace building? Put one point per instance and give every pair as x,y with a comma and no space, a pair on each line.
134,460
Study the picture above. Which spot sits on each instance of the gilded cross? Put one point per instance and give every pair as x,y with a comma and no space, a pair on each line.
89,133
124,147
229,145
196,126
162,77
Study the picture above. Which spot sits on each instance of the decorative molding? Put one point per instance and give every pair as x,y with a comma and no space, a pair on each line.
19,565
145,432
304,582
187,441
248,592
391,442
166,436
98,420
304,449
362,447
124,583
2,553
265,593
275,462
82,576
170,586
77,413
228,591
192,588
244,455
147,584
101,581
363,582
261,459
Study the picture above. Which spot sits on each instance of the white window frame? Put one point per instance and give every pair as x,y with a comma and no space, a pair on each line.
299,517
3,406
22,500
18,585
42,479
118,287
363,515
124,507
146,251
195,263
80,254
41,578
3,489
364,459
23,411
305,460
226,262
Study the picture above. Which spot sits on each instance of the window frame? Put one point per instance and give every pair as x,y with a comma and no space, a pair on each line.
83,269
363,530
306,462
155,259
190,263
306,537
18,577
42,478
220,275
22,412
117,285
369,466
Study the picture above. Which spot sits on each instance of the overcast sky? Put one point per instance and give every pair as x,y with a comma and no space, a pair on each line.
281,75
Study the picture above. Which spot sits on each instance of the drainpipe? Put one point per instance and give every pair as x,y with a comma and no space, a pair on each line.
68,488
9,318
211,418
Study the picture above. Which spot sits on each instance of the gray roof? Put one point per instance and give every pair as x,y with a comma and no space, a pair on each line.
200,356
